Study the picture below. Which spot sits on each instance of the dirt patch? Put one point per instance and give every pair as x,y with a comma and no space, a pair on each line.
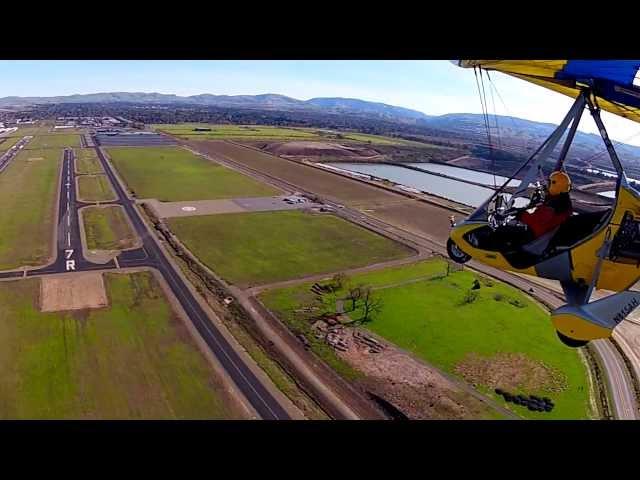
34,159
417,217
72,292
511,371
418,391
319,149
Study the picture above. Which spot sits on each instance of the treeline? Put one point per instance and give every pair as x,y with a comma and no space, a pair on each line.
206,114
175,113
499,155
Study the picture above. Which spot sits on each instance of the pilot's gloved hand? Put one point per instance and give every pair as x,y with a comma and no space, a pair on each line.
537,197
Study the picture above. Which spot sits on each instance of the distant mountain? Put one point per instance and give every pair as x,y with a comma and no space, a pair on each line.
262,101
514,133
518,133
350,105
266,101
111,97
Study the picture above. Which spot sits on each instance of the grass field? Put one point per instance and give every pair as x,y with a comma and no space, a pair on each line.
132,360
8,142
53,141
107,228
174,174
31,130
68,131
28,189
95,188
264,247
87,161
499,339
263,132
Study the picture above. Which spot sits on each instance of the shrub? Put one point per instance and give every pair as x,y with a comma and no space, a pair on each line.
469,297
487,282
516,303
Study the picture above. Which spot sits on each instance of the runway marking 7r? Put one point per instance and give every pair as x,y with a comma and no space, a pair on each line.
71,264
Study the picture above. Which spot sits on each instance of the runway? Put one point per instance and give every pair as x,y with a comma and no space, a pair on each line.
69,258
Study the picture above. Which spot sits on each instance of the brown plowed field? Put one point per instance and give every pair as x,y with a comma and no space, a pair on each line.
417,217
314,149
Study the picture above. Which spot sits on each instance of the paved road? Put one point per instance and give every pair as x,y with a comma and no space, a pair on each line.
9,155
150,254
621,389
69,258
620,384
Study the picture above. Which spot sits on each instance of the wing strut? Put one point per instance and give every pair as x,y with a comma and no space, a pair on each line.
573,115
569,140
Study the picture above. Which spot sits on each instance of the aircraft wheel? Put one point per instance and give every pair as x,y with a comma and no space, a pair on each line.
571,342
455,253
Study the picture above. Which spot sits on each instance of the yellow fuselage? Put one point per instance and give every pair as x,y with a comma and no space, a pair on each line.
614,275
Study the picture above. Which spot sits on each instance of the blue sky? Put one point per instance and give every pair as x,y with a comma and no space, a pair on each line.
433,87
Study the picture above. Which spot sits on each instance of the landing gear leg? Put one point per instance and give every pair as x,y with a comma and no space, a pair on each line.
455,253
571,342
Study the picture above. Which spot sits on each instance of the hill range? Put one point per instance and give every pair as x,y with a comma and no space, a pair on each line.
514,133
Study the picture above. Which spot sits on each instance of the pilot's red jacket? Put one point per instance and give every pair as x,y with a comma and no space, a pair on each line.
544,219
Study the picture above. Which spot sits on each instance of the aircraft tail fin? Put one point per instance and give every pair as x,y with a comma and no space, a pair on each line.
595,319
610,311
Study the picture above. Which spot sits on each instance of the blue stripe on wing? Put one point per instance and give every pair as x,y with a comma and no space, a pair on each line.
617,71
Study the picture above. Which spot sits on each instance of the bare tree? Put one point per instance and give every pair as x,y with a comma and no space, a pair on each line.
371,305
355,294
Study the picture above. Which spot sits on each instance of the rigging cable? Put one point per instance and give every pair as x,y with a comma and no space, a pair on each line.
485,116
488,122
525,140
495,117
509,113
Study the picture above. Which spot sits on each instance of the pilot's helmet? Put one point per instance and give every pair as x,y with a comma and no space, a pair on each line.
559,182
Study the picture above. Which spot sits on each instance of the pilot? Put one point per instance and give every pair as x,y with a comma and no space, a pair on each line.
555,208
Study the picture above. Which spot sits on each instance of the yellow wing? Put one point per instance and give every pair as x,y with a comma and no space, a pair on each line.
615,83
